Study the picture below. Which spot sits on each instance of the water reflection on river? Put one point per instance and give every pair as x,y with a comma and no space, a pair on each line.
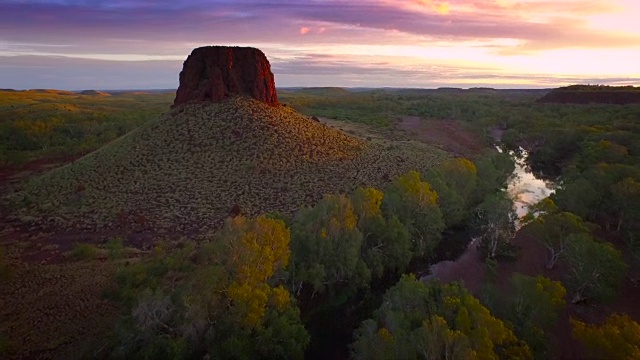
524,188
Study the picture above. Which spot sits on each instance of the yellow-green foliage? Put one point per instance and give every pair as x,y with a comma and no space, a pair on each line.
83,252
220,295
257,249
192,166
617,338
411,185
367,202
435,321
414,202
327,244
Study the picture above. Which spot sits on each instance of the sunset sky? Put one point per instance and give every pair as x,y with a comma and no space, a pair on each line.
140,44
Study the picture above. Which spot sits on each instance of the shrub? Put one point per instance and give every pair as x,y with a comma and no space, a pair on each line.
83,252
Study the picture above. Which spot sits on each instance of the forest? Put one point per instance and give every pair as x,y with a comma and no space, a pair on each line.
347,276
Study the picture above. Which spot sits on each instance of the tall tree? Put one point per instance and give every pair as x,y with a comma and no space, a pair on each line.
596,269
326,245
415,204
387,243
455,181
532,307
495,225
552,230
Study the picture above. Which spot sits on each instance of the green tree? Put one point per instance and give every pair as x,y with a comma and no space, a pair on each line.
495,225
532,307
626,198
494,169
387,243
434,321
596,270
415,204
215,299
552,230
326,245
455,181
579,197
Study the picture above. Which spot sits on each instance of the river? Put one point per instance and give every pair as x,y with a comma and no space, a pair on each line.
526,190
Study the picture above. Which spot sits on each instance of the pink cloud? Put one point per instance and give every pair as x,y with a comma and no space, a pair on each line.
304,30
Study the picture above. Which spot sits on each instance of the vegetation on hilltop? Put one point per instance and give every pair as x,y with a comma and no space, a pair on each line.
198,163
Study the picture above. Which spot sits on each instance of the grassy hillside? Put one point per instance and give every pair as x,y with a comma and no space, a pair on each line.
197,164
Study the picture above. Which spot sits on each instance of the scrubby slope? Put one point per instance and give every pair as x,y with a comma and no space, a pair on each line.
199,163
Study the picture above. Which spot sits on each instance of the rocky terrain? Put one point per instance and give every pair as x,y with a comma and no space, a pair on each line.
215,73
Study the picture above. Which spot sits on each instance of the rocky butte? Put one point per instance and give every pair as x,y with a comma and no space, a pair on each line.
215,73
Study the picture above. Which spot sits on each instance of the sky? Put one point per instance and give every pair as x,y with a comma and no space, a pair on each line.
141,44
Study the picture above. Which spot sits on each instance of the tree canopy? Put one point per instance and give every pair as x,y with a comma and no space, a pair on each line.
434,321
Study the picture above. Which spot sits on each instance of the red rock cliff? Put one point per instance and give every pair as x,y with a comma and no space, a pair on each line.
213,73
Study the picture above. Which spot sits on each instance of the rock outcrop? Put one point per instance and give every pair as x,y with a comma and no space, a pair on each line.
214,73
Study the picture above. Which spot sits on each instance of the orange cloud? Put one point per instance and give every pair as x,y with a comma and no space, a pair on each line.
440,7
304,30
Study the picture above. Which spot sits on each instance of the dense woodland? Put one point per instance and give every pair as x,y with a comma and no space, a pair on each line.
335,279
51,123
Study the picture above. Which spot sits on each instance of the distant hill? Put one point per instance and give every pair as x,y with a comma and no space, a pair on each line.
93,93
324,91
52,91
599,94
199,163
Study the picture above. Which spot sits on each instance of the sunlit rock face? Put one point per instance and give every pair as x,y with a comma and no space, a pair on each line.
215,73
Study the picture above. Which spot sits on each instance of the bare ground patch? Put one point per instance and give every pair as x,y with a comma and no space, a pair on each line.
450,135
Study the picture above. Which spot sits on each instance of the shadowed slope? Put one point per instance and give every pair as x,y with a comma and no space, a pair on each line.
199,163
596,94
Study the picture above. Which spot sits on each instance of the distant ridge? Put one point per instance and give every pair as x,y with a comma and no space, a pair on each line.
94,93
53,91
598,94
324,91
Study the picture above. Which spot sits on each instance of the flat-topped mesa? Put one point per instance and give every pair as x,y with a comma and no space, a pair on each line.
214,73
